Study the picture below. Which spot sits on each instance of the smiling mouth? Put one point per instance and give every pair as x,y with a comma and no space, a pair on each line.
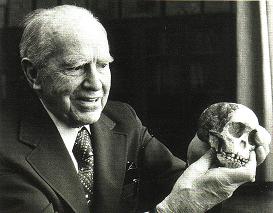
87,99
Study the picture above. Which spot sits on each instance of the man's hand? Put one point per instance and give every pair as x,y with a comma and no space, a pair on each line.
196,149
262,139
202,186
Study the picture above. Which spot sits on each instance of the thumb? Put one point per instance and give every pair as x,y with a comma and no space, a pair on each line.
262,138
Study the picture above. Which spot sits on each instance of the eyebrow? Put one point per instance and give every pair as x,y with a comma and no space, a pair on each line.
108,59
72,61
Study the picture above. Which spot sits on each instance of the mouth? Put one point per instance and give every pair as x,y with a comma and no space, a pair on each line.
89,99
88,103
231,160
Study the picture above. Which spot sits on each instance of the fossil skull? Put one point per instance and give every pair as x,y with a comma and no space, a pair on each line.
230,129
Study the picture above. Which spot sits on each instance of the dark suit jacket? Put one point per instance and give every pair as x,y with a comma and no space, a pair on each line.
133,171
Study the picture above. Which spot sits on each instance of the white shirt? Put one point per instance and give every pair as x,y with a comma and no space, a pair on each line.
67,133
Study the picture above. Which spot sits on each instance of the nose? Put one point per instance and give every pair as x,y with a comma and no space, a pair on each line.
92,79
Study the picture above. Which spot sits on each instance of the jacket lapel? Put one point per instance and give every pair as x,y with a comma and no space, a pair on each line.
50,158
110,164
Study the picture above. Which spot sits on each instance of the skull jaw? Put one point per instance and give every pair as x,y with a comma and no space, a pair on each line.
225,158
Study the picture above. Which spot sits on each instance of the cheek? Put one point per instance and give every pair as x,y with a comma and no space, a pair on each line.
60,85
57,90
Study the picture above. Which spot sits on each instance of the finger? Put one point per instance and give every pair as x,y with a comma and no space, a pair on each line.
196,149
261,154
262,138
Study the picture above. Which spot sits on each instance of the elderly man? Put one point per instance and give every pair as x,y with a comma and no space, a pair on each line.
72,151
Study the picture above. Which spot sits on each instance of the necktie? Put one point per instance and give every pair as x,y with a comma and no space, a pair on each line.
83,153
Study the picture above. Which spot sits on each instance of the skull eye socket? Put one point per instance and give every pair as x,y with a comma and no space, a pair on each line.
236,129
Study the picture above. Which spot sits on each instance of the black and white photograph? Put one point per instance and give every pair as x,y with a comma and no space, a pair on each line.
136,106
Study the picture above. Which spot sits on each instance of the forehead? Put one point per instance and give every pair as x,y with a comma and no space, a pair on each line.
82,40
246,116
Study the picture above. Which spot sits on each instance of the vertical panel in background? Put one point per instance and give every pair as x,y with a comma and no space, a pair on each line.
136,8
2,74
80,3
217,7
253,64
2,12
45,3
3,77
17,10
182,8
2,16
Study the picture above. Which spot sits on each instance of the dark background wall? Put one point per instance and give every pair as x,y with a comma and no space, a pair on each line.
172,59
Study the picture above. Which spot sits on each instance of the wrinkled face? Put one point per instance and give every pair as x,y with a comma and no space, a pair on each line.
234,141
76,79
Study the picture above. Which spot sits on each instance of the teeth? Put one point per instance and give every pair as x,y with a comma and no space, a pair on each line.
89,99
232,160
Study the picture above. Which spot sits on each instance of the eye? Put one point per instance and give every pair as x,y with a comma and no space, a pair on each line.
236,129
75,71
76,68
101,65
79,67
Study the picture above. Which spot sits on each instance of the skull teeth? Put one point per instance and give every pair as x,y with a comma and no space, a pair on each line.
231,160
234,156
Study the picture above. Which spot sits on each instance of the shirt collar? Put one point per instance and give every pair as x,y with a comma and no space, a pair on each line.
61,126
67,133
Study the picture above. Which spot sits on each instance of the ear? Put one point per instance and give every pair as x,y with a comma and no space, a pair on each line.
31,73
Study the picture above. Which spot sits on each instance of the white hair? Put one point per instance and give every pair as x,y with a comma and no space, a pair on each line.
40,27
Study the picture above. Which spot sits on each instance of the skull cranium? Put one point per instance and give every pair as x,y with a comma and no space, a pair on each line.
230,129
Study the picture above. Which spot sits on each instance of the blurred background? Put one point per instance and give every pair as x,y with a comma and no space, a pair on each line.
172,60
